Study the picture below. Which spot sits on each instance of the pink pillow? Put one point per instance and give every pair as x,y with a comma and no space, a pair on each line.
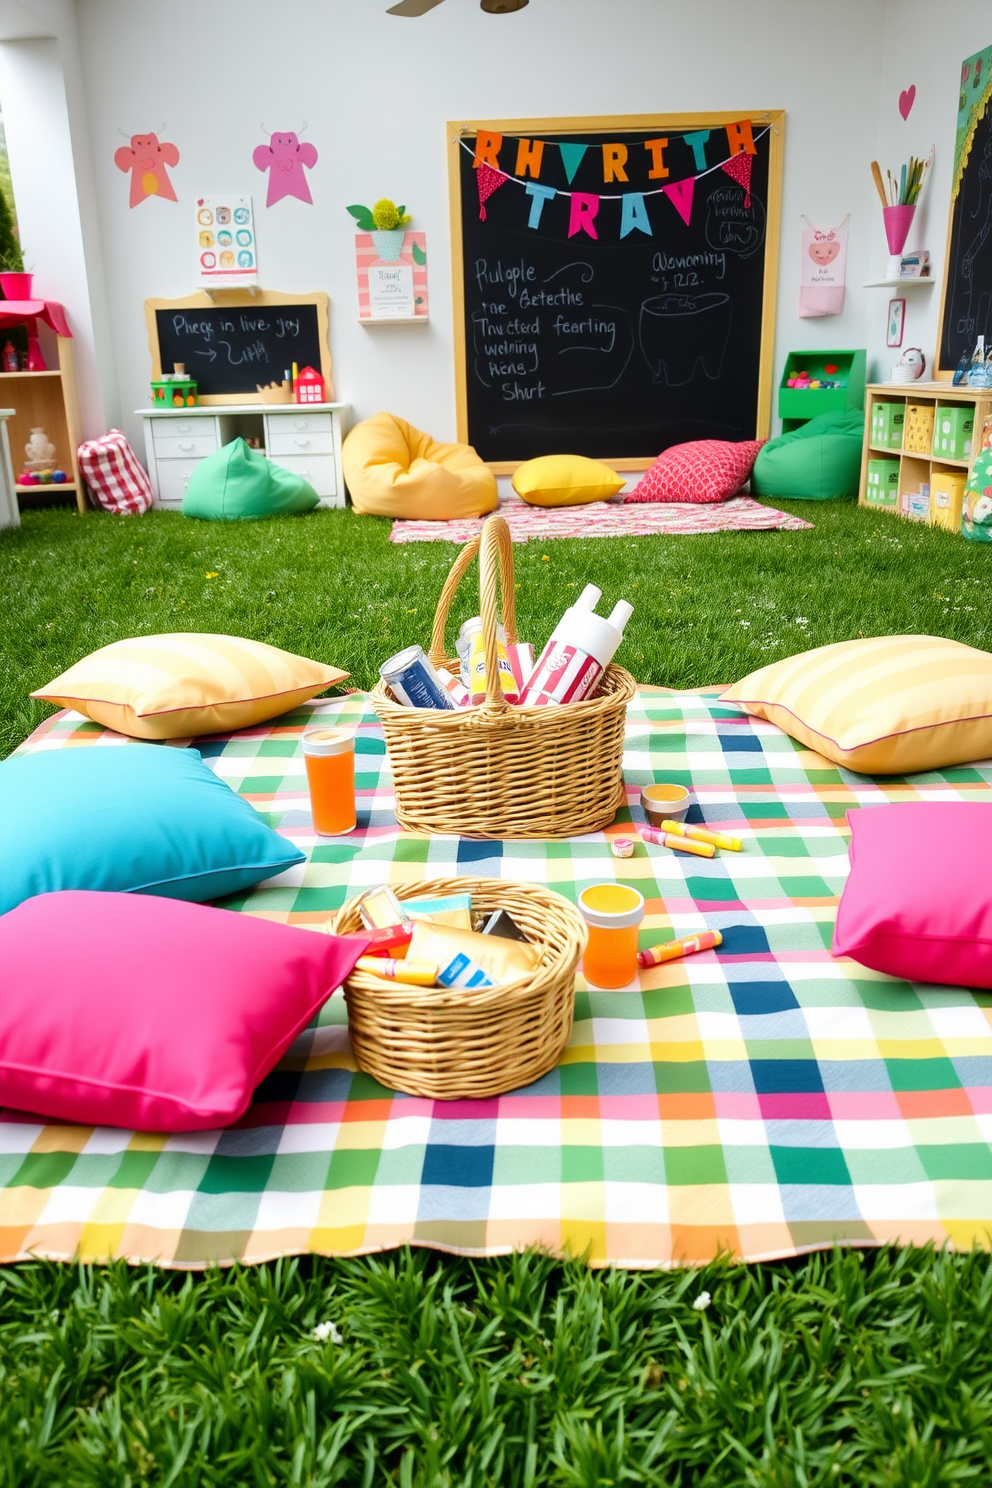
705,470
136,1011
918,901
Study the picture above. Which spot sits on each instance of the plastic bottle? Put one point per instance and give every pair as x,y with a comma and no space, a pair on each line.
10,358
581,646
976,372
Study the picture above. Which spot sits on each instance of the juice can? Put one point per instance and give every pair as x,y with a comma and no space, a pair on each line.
329,756
413,680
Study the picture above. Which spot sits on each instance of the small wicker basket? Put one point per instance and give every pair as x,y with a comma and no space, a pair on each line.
499,770
470,1043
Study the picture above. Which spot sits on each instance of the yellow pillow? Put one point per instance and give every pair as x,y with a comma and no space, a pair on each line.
179,686
565,480
889,706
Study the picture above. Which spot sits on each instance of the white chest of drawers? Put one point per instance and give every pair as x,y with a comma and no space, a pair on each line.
303,438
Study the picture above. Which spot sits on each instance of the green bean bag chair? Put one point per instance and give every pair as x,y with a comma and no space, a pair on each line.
815,462
238,483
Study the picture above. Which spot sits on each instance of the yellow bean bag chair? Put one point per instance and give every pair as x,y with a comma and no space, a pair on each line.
393,470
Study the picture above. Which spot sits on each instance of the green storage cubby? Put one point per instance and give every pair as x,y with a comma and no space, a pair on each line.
882,487
888,420
797,405
953,431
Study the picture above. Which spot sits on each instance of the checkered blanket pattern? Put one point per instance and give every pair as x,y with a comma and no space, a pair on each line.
611,518
762,1101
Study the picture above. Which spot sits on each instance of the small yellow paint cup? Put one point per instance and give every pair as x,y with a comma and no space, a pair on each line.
665,803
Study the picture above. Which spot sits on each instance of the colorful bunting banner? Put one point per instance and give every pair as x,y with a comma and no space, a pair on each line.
618,159
488,181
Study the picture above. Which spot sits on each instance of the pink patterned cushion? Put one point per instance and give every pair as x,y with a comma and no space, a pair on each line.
705,470
152,1013
917,903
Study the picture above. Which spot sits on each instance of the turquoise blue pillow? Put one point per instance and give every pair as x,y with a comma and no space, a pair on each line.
145,818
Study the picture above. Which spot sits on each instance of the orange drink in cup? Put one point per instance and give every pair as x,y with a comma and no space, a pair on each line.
612,912
329,755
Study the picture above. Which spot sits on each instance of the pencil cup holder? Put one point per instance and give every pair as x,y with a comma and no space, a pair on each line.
898,221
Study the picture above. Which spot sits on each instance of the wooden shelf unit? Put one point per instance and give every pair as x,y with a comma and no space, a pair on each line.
47,400
914,465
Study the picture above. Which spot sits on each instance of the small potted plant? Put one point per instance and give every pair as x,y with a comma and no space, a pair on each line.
386,222
14,282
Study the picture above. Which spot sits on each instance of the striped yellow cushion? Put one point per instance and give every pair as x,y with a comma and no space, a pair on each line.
887,706
179,686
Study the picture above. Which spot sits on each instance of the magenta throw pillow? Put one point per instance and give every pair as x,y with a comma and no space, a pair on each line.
918,901
154,1014
705,470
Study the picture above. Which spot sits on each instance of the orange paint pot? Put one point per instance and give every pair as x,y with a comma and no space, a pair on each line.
329,755
613,913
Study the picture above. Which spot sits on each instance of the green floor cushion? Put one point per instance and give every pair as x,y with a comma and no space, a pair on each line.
819,460
239,482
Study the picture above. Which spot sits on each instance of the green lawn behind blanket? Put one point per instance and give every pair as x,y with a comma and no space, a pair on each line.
858,1371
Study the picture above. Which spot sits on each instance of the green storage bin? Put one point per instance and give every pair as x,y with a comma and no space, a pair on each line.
888,420
953,429
882,485
847,375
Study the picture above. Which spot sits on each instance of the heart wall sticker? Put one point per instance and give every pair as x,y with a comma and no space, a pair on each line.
906,100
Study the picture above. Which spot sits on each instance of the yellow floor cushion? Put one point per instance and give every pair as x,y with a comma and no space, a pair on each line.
565,480
393,470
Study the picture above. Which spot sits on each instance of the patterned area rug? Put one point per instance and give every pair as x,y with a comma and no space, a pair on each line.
764,1099
608,519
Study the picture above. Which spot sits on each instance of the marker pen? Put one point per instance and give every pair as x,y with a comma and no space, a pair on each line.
674,950
414,973
701,834
679,844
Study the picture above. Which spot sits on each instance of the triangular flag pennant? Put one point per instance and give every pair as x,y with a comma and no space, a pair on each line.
571,159
679,193
739,166
489,180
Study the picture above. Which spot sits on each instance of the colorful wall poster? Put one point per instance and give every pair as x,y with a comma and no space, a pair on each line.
973,98
226,253
392,275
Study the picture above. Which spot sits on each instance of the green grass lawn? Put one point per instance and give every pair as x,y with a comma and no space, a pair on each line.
838,1369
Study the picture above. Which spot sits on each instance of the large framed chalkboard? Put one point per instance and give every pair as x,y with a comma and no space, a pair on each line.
966,303
618,295
233,342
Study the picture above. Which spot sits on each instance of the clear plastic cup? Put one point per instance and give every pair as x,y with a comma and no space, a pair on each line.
329,755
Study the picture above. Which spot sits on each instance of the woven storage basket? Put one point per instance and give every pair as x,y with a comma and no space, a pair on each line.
469,1043
499,770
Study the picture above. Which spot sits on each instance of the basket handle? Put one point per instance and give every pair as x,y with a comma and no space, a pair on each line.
495,575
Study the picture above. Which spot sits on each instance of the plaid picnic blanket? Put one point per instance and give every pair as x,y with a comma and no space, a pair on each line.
765,1100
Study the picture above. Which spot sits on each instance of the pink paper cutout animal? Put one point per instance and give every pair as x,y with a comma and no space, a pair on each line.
146,158
287,159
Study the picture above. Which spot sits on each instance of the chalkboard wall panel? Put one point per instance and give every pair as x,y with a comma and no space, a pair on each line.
234,345
613,348
966,312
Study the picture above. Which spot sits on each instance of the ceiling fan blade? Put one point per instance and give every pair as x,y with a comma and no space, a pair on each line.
412,7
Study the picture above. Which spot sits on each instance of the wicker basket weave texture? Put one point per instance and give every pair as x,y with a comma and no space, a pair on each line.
470,1043
499,770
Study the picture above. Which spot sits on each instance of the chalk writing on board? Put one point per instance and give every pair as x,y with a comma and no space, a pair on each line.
625,347
226,347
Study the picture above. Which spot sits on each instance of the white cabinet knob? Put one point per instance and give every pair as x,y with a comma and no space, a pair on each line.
185,444
302,443
300,423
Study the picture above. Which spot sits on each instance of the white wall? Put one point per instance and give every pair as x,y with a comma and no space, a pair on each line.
375,91
924,47
48,143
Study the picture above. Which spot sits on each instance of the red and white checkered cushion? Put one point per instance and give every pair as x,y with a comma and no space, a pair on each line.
705,470
115,479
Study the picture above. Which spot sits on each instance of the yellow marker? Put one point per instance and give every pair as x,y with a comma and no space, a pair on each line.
413,973
295,373
700,834
677,842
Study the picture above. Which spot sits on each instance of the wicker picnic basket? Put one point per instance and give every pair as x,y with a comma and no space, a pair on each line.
470,1043
499,770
